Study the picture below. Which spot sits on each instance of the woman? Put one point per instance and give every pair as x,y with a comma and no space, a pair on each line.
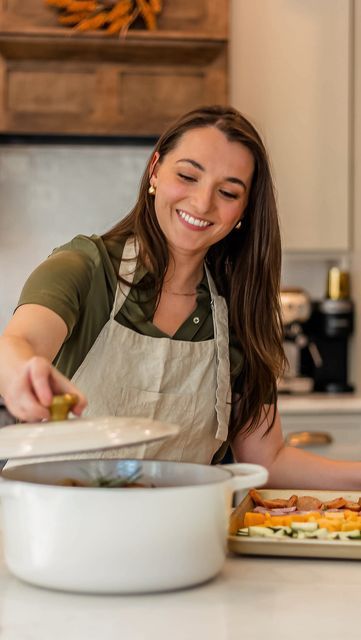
173,314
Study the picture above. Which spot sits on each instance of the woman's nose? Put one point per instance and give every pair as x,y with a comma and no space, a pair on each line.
203,199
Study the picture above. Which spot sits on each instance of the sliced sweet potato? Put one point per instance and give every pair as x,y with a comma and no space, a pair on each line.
253,519
337,503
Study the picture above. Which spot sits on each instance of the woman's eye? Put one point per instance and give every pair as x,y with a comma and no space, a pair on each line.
227,194
186,177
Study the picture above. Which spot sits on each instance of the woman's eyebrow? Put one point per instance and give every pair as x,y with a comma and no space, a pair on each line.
192,162
237,181
201,168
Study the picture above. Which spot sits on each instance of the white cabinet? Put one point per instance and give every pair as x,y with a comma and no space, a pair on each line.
291,73
336,436
329,426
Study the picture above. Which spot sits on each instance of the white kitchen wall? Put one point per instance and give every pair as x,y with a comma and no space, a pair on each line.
291,74
310,271
49,193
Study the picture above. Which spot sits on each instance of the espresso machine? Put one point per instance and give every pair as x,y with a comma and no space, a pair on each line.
329,328
296,309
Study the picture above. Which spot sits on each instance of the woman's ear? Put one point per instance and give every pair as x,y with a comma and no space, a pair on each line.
153,166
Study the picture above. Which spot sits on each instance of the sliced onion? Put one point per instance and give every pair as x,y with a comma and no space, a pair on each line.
275,512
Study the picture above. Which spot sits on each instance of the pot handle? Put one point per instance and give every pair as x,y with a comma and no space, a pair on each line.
246,476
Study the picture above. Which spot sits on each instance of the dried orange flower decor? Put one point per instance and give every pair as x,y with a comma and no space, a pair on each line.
112,16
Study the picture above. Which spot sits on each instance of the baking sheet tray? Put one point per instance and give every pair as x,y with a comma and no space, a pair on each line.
292,547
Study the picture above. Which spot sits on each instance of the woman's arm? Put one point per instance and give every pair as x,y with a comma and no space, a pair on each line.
28,380
292,468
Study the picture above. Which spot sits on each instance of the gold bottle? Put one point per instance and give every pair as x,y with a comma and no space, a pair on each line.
338,284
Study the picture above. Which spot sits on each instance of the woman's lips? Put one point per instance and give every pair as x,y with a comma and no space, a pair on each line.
197,224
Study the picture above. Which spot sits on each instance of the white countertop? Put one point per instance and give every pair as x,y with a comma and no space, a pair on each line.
253,598
320,403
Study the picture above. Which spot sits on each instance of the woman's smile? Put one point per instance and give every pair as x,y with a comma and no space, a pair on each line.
196,224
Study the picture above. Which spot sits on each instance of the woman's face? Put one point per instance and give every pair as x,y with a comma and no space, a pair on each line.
202,188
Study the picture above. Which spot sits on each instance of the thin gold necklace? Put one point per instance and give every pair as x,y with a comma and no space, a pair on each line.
174,293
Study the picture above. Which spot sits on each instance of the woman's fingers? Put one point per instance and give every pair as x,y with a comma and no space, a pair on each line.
39,375
47,381
32,393
25,406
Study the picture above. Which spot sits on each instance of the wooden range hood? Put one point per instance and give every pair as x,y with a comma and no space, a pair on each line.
55,82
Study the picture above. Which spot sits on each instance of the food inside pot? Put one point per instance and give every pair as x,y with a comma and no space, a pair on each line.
109,482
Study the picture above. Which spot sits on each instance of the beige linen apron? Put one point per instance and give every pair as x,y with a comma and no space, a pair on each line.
186,383
182,382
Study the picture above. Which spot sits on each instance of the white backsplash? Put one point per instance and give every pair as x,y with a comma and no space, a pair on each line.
309,272
49,193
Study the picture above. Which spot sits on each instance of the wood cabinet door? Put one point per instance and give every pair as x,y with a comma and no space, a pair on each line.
291,70
57,81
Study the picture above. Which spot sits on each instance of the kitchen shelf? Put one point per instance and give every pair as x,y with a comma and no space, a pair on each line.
137,47
56,81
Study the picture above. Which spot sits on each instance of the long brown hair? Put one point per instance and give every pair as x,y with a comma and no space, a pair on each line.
245,265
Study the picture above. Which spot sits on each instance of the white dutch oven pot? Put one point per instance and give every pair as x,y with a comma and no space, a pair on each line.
101,540
107,540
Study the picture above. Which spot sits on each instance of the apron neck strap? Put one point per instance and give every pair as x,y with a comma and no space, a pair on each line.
127,269
128,262
211,283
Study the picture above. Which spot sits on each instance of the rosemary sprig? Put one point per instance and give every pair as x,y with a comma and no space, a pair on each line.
112,481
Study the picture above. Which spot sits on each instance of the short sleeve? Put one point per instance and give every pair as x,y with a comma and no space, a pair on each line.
61,283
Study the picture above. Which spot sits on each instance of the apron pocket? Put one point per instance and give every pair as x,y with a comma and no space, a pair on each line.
167,407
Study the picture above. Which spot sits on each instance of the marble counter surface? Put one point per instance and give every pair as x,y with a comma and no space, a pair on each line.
319,402
253,598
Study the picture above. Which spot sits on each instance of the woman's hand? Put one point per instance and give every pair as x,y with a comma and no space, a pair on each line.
30,393
28,380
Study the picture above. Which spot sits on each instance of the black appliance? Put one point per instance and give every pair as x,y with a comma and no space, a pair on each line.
329,329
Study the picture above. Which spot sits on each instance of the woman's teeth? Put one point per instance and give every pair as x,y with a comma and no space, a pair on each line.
196,222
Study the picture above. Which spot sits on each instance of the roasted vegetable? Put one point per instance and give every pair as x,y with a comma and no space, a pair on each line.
297,516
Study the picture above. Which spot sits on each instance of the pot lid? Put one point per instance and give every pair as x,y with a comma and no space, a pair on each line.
80,435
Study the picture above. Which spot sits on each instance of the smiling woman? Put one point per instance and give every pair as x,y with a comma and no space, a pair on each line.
174,286
207,173
174,313
201,186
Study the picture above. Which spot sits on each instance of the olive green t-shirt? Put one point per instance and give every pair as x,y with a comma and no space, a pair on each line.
78,282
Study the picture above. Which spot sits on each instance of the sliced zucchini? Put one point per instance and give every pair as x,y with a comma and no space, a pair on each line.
353,535
319,534
261,532
333,535
304,526
344,535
